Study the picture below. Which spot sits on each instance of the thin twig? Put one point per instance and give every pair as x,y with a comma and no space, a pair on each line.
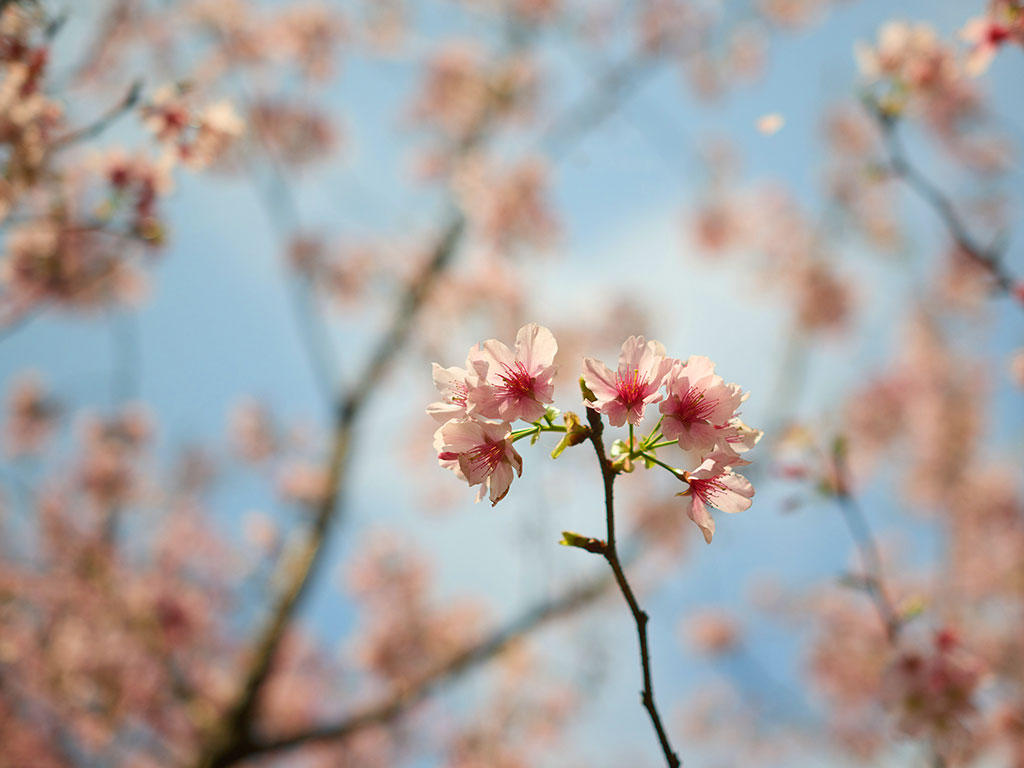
989,258
282,209
611,554
100,124
871,560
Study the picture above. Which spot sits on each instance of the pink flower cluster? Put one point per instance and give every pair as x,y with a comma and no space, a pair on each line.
499,385
479,403
699,412
195,137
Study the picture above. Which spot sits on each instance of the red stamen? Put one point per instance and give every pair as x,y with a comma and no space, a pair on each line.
631,388
488,456
459,394
706,489
517,381
695,405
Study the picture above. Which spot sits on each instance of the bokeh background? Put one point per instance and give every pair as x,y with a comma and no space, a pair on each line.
666,210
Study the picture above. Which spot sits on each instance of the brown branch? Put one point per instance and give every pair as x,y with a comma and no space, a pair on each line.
989,258
234,738
610,552
400,700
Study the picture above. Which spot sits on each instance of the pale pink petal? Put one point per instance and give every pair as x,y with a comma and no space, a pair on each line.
737,494
500,482
461,435
697,367
633,351
700,515
616,412
535,347
599,379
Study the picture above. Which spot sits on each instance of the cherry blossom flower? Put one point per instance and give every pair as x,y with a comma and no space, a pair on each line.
931,692
908,53
713,632
167,115
219,127
304,484
509,385
31,414
454,94
823,298
714,484
309,33
197,137
481,453
699,406
985,35
451,383
509,206
739,437
622,395
717,226
298,135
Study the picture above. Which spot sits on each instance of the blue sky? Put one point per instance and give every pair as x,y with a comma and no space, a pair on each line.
218,325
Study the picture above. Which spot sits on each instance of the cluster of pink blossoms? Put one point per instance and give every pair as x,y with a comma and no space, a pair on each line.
698,411
499,385
479,403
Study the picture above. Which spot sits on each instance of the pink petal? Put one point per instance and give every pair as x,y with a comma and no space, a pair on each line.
599,379
700,515
536,348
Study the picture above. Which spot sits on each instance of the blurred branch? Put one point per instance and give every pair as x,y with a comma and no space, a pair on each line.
279,203
17,322
990,258
114,17
100,124
610,552
612,88
232,738
871,560
404,697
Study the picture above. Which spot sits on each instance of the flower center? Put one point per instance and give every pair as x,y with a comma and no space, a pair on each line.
486,456
706,489
516,381
997,34
695,405
631,387
458,393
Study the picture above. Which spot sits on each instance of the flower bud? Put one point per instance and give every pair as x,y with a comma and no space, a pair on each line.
572,539
575,433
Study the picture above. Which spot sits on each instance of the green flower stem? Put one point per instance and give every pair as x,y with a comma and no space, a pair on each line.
535,429
655,460
648,442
